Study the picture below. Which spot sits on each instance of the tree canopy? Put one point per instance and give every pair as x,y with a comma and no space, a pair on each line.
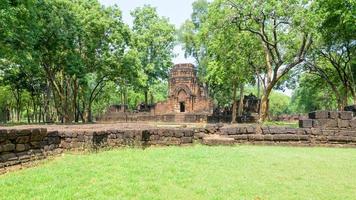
68,60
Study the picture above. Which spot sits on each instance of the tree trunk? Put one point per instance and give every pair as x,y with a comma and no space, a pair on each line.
258,87
234,104
90,118
146,98
265,105
241,105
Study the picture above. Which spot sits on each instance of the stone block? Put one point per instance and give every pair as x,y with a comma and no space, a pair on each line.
168,133
3,135
328,132
8,147
316,131
154,137
52,133
325,123
240,137
267,137
285,137
23,139
250,129
11,134
343,123
345,115
35,144
228,131
333,114
353,123
319,115
265,130
341,139
8,157
20,147
291,131
178,133
23,132
23,156
187,140
303,137
255,137
305,123
277,130
188,133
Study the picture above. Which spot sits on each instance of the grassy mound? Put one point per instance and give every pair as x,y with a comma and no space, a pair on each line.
198,172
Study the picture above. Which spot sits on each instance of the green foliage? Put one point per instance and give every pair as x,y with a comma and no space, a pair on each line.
279,104
246,172
312,94
154,39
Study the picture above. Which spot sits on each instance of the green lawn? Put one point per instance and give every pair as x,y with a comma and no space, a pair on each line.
198,172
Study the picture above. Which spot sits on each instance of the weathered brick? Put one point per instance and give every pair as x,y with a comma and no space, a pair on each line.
338,138
345,115
318,115
23,156
250,129
178,133
187,140
188,132
23,132
304,137
8,147
277,130
20,147
8,157
325,123
267,137
353,123
23,139
240,137
285,137
265,130
333,114
305,123
255,137
3,135
328,132
343,123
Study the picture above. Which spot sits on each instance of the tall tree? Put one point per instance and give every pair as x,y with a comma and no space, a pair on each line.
190,35
333,57
283,30
154,39
228,55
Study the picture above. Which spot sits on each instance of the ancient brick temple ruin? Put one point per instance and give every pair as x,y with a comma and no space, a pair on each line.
186,94
188,101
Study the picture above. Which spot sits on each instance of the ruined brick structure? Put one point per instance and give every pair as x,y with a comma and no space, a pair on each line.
186,94
188,101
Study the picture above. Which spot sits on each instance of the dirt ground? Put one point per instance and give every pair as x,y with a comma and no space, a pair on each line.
107,126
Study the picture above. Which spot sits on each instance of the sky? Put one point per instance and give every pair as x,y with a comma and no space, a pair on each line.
176,10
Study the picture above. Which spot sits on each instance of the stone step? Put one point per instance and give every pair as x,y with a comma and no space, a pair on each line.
212,140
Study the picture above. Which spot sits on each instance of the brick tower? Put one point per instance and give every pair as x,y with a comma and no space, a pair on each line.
186,94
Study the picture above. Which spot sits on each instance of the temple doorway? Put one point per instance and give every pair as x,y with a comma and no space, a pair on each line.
182,106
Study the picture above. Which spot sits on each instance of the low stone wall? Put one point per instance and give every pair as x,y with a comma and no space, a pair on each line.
19,146
329,119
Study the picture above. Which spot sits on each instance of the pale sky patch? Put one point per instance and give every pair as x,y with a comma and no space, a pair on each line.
177,11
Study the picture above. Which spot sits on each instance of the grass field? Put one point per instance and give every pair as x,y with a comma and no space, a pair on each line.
198,172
